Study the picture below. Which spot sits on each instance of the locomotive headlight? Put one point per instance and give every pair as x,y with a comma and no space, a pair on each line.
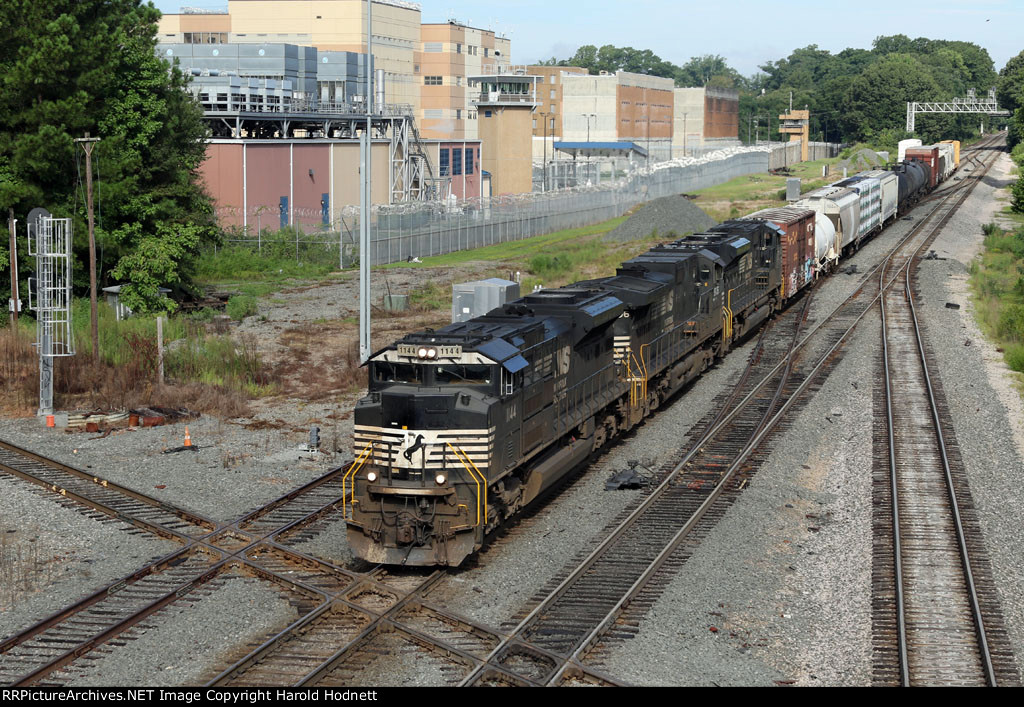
440,479
371,477
431,353
422,352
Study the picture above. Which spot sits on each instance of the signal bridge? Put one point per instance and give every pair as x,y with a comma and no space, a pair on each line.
971,104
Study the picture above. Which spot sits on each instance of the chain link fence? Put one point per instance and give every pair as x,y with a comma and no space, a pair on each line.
418,230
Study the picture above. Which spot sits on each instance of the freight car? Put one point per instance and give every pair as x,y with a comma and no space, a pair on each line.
464,426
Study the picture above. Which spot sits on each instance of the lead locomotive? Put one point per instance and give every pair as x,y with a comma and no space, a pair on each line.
465,426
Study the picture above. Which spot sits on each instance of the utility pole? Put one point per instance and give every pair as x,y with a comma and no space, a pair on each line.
12,224
88,143
366,200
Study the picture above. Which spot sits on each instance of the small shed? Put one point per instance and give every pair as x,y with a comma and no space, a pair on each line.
113,297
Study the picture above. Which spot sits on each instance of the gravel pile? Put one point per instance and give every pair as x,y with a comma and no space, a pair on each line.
859,161
52,556
515,568
669,216
982,394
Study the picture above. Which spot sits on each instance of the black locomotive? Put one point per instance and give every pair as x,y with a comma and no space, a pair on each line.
466,425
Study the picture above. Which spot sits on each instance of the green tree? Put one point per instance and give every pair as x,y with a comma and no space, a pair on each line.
1010,90
877,99
68,67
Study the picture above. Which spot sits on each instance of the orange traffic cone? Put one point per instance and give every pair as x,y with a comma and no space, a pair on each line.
188,439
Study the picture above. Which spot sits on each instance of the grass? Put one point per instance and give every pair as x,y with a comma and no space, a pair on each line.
516,251
997,285
207,372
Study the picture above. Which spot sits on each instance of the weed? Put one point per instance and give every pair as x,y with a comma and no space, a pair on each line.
241,306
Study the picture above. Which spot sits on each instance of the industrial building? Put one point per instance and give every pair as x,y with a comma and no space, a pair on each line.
328,25
258,184
619,108
450,53
706,119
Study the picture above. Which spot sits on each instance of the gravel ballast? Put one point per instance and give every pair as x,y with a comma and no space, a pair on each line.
185,643
982,394
52,554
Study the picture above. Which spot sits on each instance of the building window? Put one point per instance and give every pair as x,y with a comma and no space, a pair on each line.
432,80
552,109
458,80
457,162
553,92
433,47
552,77
458,114
486,52
487,114
444,162
534,123
458,48
469,160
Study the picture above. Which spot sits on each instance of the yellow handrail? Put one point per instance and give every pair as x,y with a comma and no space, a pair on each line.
352,471
459,454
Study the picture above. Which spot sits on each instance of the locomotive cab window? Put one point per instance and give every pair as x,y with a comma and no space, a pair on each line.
460,374
384,372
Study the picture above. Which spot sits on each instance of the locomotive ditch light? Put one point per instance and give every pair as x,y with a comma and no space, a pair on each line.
422,352
371,477
440,479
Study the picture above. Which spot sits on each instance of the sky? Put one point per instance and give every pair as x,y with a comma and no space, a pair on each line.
745,32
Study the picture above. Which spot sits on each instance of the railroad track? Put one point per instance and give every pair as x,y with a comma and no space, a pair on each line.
588,605
937,619
348,617
124,504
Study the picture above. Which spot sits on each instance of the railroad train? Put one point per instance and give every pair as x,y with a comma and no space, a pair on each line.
464,426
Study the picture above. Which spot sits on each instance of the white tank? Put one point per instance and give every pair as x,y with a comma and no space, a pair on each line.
824,238
904,144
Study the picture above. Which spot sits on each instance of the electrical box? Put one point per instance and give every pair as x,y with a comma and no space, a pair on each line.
475,299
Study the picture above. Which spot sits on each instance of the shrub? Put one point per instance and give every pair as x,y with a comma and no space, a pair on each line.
241,306
1011,322
1017,195
1014,356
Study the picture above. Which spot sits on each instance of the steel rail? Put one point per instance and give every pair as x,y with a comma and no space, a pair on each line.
586,564
904,272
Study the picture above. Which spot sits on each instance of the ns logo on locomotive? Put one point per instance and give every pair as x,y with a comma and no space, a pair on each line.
464,426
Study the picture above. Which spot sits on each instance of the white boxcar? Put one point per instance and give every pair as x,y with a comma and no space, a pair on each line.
841,206
902,148
890,184
869,193
947,159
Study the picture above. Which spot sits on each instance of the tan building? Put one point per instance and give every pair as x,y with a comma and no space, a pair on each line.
619,107
449,54
505,103
549,97
706,119
330,25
